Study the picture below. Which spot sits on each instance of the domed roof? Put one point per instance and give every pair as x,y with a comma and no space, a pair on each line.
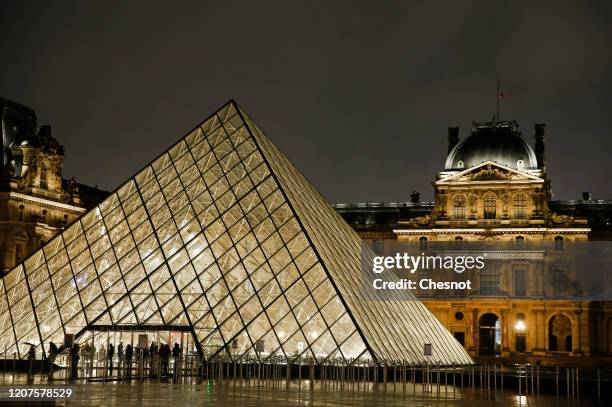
495,141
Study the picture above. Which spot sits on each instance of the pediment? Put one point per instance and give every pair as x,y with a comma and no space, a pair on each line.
489,171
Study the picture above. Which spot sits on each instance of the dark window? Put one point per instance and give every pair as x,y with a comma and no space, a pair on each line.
559,282
521,343
519,283
43,176
422,243
519,242
490,207
460,337
558,243
422,275
459,277
489,279
18,253
459,241
377,246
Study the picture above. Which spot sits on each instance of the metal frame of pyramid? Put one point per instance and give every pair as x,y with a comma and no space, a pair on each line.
223,237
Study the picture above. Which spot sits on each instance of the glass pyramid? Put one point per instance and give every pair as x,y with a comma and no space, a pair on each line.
223,235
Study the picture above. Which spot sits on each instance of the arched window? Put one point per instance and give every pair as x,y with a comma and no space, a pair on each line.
490,206
519,242
43,176
558,243
560,334
459,207
520,206
422,243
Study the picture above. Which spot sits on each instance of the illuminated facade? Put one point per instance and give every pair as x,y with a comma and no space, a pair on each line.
494,193
35,202
222,235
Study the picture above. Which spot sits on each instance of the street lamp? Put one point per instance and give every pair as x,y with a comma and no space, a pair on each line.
520,323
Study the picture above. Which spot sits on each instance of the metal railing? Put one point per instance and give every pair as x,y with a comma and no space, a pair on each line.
432,380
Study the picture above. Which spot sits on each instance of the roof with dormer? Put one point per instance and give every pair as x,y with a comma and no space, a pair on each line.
495,141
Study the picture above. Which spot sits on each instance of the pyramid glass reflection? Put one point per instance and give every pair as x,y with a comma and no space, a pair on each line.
223,236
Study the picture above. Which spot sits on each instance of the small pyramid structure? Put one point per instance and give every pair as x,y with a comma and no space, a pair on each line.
223,237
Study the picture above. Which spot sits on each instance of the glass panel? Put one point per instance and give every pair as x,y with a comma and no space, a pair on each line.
246,239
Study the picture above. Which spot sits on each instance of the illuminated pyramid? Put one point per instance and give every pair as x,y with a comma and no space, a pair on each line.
221,235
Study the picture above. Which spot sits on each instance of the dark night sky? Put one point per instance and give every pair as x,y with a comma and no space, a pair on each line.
358,95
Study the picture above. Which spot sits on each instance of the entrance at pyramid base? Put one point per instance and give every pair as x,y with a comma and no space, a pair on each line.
152,352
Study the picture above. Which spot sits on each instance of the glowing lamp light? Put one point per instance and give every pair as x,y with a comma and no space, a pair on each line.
520,325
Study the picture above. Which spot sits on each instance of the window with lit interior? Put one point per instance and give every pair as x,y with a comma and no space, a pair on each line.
459,207
490,206
520,206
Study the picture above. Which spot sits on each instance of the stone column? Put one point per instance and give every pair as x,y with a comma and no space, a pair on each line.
576,345
539,278
505,326
540,330
532,330
473,346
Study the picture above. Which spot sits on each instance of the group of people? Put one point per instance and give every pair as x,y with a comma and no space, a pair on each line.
52,353
157,355
153,354
125,357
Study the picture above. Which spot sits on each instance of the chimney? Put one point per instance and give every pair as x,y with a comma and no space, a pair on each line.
415,197
539,145
453,137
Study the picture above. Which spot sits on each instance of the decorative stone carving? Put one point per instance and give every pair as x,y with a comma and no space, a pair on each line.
490,174
561,219
420,221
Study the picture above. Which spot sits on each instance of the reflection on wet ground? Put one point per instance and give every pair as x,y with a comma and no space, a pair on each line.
275,393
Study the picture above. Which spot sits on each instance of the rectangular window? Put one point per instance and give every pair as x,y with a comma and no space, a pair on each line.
558,243
422,275
520,206
459,277
489,279
377,246
521,343
559,283
459,207
18,253
460,337
519,283
490,206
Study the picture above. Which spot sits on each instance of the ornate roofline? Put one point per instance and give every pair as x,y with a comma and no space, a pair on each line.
45,202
